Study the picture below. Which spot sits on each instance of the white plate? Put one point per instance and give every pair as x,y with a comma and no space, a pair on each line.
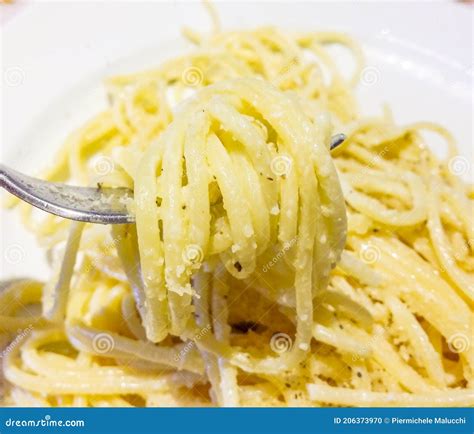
54,55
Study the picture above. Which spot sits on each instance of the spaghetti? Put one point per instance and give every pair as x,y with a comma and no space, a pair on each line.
237,285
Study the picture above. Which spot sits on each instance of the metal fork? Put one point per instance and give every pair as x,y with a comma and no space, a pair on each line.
85,204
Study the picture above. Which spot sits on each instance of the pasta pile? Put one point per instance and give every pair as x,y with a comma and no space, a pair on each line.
261,270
